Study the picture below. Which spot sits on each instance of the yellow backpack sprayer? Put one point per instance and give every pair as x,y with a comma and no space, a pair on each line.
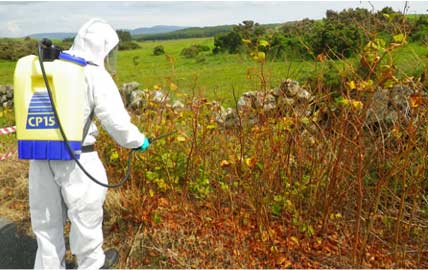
48,93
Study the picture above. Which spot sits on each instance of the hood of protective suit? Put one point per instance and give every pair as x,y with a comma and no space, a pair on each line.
94,41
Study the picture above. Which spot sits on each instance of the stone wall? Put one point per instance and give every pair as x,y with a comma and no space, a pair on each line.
288,99
6,96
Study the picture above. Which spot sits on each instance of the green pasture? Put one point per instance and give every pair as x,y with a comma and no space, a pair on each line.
216,76
213,76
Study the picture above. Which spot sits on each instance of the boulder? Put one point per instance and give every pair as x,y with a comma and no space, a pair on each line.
254,100
226,118
131,86
9,92
127,89
390,105
178,106
293,99
137,99
159,97
3,90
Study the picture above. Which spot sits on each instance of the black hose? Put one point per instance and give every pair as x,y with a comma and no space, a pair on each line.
70,150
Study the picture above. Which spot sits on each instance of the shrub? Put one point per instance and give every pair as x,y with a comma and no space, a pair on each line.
128,45
124,36
231,43
13,49
194,50
190,52
158,50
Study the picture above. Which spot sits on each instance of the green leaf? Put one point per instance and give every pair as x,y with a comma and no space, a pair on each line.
157,218
151,175
398,38
263,43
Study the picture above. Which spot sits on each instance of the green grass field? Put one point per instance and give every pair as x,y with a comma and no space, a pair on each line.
216,76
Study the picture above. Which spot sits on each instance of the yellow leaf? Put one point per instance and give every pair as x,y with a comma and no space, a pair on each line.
356,104
305,120
415,100
399,38
173,86
181,138
156,87
366,86
263,43
284,262
251,162
351,85
396,133
265,236
294,240
114,156
213,126
151,193
224,163
1,114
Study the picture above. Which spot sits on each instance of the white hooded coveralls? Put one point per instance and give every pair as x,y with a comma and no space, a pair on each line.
60,188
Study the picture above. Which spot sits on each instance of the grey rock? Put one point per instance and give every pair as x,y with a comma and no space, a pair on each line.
290,88
3,90
10,104
131,86
253,100
9,93
159,97
390,105
137,99
227,118
127,89
178,106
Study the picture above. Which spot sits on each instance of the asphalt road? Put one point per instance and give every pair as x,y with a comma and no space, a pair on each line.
16,251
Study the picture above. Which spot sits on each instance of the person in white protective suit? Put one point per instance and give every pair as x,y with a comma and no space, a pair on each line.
60,188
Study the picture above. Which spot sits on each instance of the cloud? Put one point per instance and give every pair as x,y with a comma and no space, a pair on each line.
17,3
21,18
13,28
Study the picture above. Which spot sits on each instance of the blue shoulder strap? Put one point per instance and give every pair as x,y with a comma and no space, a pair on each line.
71,58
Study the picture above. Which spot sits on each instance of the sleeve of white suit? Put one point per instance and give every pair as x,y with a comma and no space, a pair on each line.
111,112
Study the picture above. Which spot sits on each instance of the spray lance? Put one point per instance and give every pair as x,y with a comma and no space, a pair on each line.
49,52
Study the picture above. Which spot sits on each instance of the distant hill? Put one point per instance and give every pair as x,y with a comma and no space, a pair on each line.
161,32
157,29
190,32
53,35
195,32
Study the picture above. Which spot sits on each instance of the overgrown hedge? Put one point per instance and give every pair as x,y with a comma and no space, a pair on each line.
339,34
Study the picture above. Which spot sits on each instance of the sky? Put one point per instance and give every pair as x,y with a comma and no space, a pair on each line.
22,18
